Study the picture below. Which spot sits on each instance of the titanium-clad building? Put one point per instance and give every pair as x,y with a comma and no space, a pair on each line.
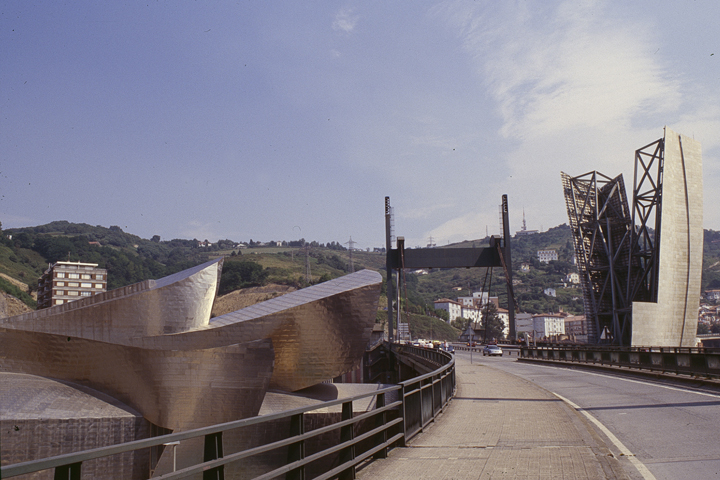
160,362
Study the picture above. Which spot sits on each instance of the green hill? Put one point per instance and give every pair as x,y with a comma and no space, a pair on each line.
130,258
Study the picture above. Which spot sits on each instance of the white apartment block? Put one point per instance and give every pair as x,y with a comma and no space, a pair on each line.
453,308
548,325
546,256
64,282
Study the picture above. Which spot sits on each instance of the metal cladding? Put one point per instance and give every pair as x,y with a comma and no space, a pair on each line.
153,346
41,417
318,332
641,269
175,303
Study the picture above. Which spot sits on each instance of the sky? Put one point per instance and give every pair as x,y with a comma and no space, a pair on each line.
284,120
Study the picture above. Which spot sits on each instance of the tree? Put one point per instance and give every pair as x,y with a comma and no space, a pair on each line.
243,274
490,322
444,314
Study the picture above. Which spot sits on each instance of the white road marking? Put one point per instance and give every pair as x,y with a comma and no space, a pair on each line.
641,468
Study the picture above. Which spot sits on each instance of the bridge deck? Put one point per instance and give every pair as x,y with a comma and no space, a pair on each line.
500,427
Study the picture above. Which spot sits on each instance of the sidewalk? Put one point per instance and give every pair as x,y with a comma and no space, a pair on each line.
500,426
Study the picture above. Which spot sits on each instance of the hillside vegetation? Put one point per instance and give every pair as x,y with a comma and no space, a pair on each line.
296,264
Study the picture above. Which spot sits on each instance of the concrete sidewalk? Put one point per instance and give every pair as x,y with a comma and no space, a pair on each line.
500,426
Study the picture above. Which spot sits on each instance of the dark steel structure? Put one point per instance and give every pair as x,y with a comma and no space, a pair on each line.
616,248
497,255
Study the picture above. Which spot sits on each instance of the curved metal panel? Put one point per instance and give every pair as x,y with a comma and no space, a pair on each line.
176,303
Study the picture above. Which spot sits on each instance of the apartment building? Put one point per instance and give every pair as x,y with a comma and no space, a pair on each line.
546,256
64,282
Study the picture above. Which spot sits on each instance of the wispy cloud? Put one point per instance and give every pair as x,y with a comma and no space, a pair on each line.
345,21
577,87
577,66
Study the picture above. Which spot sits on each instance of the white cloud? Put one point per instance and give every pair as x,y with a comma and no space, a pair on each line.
345,21
578,87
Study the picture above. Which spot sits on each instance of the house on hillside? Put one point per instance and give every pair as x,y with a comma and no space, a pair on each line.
546,256
453,308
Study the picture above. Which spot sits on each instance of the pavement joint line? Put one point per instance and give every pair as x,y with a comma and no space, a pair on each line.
624,451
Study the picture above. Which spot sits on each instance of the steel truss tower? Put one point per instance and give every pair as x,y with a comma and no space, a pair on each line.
601,225
616,248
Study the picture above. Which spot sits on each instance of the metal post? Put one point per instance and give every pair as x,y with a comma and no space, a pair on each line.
508,263
347,433
68,472
213,451
296,451
174,447
388,263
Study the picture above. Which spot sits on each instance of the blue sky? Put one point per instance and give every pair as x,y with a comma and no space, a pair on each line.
280,120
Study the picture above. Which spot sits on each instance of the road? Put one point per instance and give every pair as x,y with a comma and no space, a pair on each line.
671,429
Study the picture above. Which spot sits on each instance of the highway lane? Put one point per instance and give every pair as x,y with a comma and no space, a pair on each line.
672,429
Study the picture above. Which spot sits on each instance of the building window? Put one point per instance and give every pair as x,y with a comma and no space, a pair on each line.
59,284
59,292
98,277
73,275
98,285
73,284
59,302
60,275
73,293
86,285
85,294
85,276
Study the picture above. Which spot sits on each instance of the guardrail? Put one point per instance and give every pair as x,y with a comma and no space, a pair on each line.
510,350
420,400
424,397
697,362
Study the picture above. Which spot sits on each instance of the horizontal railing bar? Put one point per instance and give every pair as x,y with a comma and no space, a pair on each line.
69,458
202,467
360,458
317,456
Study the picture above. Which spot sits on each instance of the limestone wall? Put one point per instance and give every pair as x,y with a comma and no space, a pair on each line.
672,321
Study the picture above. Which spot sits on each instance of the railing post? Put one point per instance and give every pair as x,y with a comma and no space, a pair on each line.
403,412
68,472
213,451
296,451
347,433
381,419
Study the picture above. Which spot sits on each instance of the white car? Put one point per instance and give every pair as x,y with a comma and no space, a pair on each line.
491,350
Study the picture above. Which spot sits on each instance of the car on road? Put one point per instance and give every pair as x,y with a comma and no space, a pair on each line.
491,350
448,348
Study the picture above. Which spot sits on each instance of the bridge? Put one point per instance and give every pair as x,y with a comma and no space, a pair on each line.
510,417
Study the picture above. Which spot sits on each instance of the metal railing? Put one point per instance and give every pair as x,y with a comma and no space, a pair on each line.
391,423
697,362
424,397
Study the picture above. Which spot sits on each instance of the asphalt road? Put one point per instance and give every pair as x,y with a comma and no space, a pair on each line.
672,429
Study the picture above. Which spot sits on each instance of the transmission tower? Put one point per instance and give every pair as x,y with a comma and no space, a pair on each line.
351,246
308,276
